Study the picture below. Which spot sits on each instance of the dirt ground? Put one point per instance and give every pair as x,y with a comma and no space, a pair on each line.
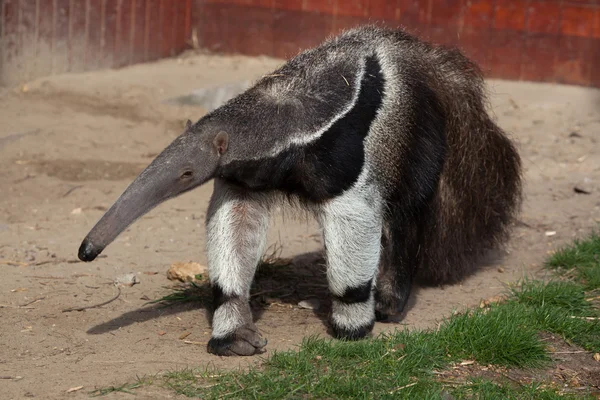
70,144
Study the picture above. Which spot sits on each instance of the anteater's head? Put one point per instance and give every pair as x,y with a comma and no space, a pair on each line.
188,162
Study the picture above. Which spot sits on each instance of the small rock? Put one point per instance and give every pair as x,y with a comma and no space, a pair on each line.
127,280
310,304
184,335
77,211
500,269
186,272
550,233
492,300
597,356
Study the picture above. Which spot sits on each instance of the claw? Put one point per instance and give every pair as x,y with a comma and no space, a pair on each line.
246,341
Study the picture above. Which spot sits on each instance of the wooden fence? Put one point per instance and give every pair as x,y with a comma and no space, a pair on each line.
539,40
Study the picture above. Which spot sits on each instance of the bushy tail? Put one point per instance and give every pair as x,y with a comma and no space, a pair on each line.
480,188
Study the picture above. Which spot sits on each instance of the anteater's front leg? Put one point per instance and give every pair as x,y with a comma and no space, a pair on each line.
237,223
352,226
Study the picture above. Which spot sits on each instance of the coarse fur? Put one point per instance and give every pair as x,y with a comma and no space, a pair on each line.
384,138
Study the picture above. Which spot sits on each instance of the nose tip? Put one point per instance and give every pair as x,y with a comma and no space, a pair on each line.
87,251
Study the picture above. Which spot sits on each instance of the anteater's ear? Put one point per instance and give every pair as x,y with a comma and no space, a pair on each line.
188,125
221,142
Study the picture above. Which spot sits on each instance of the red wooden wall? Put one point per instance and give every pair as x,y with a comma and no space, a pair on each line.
548,40
44,37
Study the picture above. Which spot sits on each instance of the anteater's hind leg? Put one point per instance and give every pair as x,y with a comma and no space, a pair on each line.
237,223
399,257
351,227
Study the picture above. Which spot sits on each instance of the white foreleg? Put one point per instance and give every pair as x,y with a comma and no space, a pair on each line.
237,223
352,226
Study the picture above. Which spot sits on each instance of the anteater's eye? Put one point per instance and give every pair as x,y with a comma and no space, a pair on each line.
186,174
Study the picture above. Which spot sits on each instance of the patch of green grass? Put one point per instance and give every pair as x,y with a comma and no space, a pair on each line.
401,364
580,331
500,335
582,259
485,389
561,308
568,296
324,369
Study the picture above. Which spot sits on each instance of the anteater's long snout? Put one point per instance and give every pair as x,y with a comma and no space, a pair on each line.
87,251
181,167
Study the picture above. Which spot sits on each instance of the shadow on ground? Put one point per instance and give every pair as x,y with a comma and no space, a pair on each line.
277,282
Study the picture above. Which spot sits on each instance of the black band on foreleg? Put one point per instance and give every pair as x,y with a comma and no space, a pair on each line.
219,297
358,294
353,313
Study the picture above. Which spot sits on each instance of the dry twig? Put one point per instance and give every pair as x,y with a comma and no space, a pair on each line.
11,306
95,305
32,301
15,263
402,387
570,352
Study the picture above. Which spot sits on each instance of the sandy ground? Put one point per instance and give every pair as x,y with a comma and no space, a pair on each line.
70,144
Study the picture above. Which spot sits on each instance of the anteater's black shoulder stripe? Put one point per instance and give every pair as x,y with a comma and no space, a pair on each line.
340,150
331,164
370,98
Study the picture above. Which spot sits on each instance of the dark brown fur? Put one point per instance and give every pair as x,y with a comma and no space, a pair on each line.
480,187
479,190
